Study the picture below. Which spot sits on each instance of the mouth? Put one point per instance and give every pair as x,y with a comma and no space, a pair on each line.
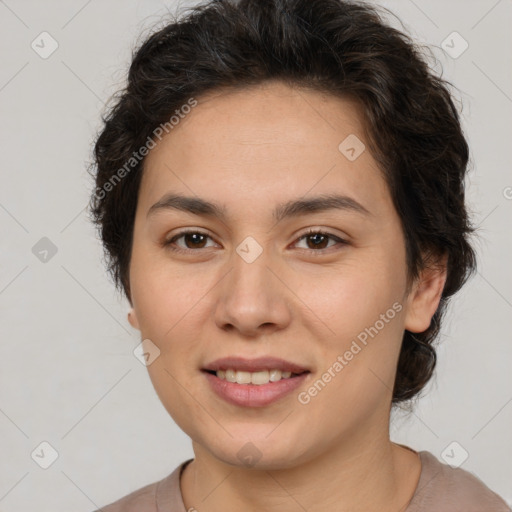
245,394
254,382
257,371
259,378
255,365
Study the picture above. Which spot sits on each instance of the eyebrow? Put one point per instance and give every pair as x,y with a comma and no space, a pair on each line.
293,208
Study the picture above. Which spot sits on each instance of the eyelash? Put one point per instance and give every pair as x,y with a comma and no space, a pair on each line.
169,243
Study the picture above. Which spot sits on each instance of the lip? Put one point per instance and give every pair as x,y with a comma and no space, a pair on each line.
255,365
252,395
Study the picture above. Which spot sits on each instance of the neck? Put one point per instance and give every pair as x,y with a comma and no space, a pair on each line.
365,472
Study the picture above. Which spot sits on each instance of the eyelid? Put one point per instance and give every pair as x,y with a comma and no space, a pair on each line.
325,232
185,231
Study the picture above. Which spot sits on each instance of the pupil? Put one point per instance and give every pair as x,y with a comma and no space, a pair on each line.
316,237
194,239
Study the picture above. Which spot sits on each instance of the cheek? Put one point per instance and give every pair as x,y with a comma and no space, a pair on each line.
352,297
362,307
163,295
179,391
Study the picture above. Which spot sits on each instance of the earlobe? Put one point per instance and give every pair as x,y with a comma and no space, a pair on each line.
425,296
132,318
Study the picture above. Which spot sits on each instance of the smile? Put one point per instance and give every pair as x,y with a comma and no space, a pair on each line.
248,394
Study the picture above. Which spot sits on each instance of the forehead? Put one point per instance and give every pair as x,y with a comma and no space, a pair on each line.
263,142
269,113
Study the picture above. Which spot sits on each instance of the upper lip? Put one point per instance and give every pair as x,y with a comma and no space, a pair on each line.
254,365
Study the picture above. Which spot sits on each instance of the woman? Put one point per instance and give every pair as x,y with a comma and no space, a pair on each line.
280,193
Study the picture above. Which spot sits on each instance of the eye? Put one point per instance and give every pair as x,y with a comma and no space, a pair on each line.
315,240
318,239
195,238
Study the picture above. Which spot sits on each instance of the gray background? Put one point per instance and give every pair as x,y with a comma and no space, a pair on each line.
68,375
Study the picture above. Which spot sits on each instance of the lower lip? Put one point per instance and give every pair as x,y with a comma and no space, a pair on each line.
252,395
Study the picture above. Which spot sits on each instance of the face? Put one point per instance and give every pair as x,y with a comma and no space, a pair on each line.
322,287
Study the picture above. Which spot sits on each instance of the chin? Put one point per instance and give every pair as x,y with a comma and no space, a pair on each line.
259,451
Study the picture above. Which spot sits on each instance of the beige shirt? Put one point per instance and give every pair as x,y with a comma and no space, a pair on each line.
440,488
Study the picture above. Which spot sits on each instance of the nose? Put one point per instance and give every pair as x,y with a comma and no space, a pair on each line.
252,299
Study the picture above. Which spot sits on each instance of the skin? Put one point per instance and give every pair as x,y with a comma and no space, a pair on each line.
250,150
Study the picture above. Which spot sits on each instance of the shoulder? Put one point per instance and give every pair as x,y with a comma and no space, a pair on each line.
141,500
447,489
161,495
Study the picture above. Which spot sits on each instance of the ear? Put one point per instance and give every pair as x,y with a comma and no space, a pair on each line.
132,318
425,295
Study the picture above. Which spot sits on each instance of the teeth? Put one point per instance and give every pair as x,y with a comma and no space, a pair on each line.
258,378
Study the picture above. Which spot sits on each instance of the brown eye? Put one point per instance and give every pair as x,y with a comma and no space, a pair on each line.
193,240
317,241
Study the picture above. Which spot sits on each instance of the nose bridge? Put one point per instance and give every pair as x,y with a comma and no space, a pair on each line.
251,295
251,275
